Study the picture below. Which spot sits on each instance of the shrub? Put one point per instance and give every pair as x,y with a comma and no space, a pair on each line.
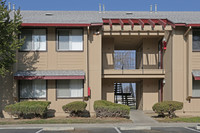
75,108
28,109
108,109
167,107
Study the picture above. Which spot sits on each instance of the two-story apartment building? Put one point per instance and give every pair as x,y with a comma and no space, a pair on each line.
80,55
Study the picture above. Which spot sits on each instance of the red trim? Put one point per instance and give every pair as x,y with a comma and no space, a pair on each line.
151,23
121,23
131,23
48,77
197,78
194,25
161,22
141,23
59,24
100,24
110,23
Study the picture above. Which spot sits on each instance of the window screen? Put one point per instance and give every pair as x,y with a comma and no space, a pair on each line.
196,40
196,88
70,40
32,88
69,88
35,40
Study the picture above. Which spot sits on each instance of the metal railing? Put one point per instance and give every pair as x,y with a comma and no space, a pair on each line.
130,59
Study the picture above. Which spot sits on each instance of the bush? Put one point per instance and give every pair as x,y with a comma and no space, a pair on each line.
28,109
75,108
108,109
167,107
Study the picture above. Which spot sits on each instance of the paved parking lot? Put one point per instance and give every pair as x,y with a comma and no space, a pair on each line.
107,130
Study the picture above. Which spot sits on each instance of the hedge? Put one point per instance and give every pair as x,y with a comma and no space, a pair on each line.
75,108
168,107
108,109
28,109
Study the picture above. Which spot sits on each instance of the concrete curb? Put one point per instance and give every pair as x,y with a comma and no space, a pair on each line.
198,127
20,127
58,129
43,128
136,128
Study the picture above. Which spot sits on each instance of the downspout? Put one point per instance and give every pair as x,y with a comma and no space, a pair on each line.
87,61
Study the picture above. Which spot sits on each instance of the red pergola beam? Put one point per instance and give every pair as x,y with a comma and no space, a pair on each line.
151,23
172,24
141,23
131,23
121,23
161,22
110,23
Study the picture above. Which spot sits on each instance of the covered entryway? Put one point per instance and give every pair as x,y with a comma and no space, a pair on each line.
125,93
146,91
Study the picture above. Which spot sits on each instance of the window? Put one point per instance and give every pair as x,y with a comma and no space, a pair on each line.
196,88
32,88
70,40
196,40
69,88
35,40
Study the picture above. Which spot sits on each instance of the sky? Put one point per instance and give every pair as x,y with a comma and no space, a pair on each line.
110,5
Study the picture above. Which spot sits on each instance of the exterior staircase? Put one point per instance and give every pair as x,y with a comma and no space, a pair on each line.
121,97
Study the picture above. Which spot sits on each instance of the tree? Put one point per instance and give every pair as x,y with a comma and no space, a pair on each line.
10,24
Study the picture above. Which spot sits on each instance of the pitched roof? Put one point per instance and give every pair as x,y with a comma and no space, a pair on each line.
80,17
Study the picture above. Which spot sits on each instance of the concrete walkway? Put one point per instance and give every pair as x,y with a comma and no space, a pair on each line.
138,117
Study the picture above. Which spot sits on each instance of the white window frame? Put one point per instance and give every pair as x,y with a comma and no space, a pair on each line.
68,97
70,40
33,89
33,43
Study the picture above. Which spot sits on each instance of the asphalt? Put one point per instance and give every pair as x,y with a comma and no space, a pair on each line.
108,130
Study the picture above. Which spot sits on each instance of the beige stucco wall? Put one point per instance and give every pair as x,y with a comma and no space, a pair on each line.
150,53
56,103
150,93
52,59
108,51
167,64
179,61
95,68
108,90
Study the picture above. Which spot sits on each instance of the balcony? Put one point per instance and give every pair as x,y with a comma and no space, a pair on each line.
132,64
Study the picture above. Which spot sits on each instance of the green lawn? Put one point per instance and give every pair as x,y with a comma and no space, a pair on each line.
181,119
64,121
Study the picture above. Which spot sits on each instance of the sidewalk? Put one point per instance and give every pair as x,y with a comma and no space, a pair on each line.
138,117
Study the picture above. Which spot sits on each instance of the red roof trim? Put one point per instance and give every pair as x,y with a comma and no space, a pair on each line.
59,24
48,77
194,25
197,78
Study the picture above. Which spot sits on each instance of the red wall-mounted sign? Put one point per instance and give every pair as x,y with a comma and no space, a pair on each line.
164,45
89,92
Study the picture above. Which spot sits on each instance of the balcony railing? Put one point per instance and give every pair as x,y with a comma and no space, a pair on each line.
130,59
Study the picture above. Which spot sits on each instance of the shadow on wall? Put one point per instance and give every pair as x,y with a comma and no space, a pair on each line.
8,85
27,60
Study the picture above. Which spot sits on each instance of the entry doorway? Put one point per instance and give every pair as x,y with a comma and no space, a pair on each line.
125,93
